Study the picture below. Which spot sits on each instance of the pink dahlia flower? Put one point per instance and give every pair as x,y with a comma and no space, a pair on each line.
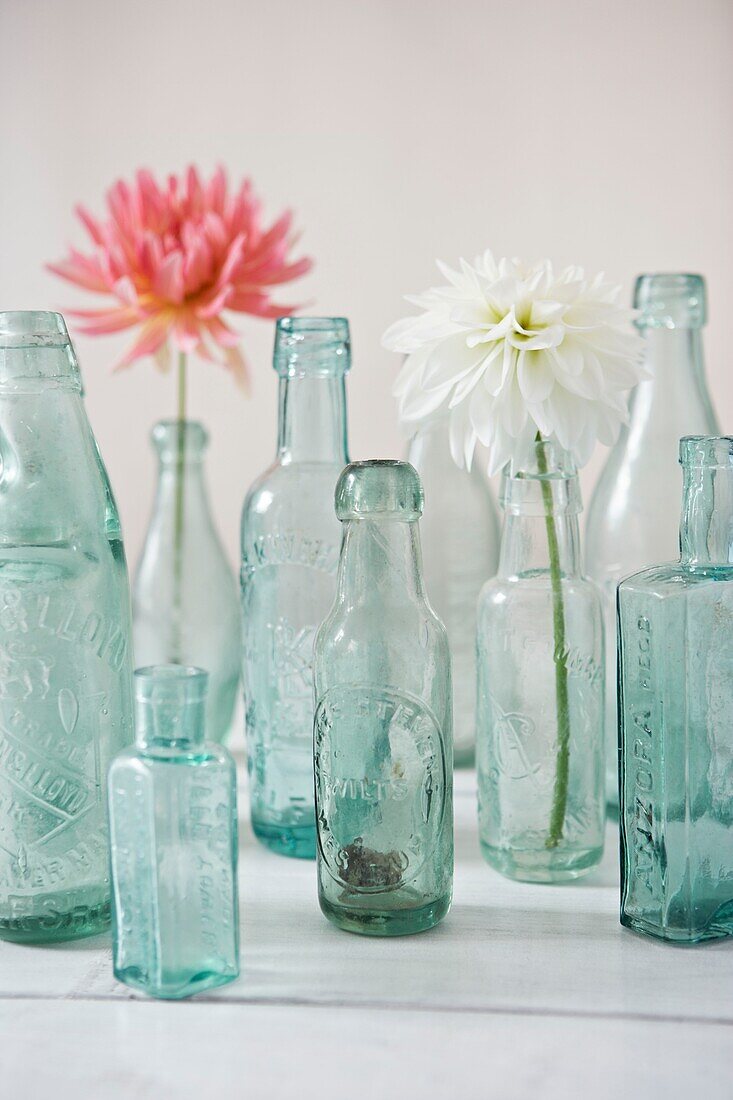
174,258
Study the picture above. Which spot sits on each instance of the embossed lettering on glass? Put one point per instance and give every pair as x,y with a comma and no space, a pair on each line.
541,796
459,534
184,598
382,731
632,518
65,665
676,717
290,545
173,833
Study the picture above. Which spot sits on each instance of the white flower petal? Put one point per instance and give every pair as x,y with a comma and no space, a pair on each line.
535,376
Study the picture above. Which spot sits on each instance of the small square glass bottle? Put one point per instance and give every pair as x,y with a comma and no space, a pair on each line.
173,835
676,717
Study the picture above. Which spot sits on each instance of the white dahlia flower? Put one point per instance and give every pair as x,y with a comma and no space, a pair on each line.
510,351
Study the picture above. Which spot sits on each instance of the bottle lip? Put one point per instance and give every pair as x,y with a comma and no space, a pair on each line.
171,681
379,487
523,490
312,346
32,328
674,299
707,452
165,436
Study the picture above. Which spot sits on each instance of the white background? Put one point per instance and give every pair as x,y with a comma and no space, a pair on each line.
593,132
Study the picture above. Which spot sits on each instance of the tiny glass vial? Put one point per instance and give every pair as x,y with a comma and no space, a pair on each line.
383,722
173,835
675,631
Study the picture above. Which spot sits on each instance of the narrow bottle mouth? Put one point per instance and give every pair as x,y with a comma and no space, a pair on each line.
171,437
546,482
36,352
379,487
171,684
670,300
312,345
706,452
31,328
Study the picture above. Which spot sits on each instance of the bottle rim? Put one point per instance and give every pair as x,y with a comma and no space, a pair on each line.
312,345
32,328
707,452
379,488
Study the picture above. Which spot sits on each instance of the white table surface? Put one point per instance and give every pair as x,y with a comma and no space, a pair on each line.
523,992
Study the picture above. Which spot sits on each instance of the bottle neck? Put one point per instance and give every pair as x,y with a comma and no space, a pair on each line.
382,557
541,508
524,545
675,361
312,418
181,448
706,527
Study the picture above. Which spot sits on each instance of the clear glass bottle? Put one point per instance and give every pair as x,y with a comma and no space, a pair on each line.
65,645
632,518
459,532
290,547
540,694
382,732
173,840
184,601
676,720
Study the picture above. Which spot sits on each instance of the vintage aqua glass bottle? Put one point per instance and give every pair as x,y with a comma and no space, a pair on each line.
382,731
173,843
290,546
185,606
632,518
540,685
65,646
676,716
459,534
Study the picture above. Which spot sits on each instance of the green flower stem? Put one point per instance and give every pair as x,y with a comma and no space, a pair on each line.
178,513
562,767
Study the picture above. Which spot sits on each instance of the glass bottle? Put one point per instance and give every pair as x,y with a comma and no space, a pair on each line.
676,717
632,518
173,843
382,732
540,672
184,600
459,533
65,666
290,541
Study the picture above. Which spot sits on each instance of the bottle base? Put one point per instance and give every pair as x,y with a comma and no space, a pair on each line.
174,987
464,757
75,925
548,865
372,921
683,937
298,841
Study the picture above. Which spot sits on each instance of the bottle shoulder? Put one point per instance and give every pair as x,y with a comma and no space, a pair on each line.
287,495
501,589
673,579
207,757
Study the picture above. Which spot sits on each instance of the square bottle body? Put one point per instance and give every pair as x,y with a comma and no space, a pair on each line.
174,871
675,634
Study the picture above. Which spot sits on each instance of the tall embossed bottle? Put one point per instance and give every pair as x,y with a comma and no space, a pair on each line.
676,716
632,518
290,547
65,672
383,724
